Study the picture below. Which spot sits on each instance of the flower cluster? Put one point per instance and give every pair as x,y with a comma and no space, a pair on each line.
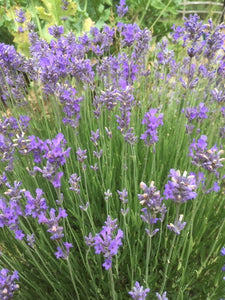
53,223
11,209
181,187
64,251
138,292
12,133
74,181
107,241
55,154
154,210
208,159
8,284
13,67
196,113
71,104
122,9
152,122
177,226
35,206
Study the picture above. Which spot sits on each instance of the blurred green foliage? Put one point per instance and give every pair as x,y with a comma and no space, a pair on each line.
159,15
81,15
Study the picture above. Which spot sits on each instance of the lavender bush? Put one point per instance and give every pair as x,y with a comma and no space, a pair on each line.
112,164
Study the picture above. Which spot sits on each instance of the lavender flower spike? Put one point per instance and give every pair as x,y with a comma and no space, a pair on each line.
138,292
152,123
181,188
106,242
163,297
121,8
7,284
177,226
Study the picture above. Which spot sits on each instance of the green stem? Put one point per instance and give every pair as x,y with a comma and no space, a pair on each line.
146,159
113,293
144,12
167,265
170,253
162,11
72,279
148,252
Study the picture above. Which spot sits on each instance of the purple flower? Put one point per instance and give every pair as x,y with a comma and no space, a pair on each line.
163,297
181,188
95,137
222,252
218,96
74,181
65,4
107,97
177,226
53,223
64,251
31,240
126,100
11,209
152,123
20,16
207,159
177,33
95,167
122,9
81,155
53,150
196,113
35,206
56,31
138,292
71,104
154,210
107,241
8,284
123,196
215,188
98,154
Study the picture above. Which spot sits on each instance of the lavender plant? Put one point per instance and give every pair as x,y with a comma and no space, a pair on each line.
74,153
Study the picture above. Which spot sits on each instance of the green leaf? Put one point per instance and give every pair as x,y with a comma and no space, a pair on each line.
44,15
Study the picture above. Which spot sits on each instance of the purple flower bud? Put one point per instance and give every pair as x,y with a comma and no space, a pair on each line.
123,196
31,240
64,251
56,31
177,226
181,188
222,252
163,297
8,284
74,181
152,122
81,155
121,8
138,292
107,241
207,159
20,16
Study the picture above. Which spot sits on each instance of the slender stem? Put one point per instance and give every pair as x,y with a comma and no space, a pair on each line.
145,11
167,264
170,253
146,159
113,293
72,279
162,11
148,252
